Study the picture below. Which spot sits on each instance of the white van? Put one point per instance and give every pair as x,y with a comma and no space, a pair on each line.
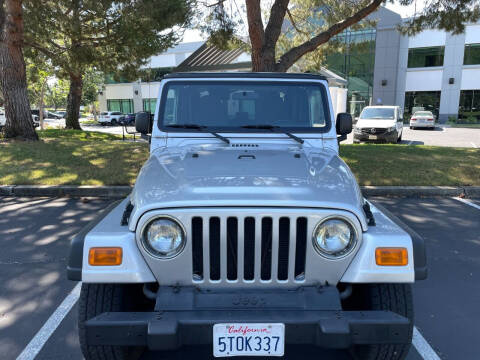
383,123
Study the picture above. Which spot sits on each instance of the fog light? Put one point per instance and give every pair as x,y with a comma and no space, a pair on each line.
391,256
105,256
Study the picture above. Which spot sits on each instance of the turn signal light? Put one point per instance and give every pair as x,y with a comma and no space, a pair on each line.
391,256
105,256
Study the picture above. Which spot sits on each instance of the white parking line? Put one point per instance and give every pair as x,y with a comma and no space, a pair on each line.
41,337
423,347
468,202
473,144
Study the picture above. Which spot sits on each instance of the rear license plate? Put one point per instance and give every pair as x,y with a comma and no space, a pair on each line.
248,340
372,137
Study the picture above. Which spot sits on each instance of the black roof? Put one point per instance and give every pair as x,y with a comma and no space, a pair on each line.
256,75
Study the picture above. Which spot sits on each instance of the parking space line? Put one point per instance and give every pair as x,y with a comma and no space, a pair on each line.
423,347
467,202
41,337
473,144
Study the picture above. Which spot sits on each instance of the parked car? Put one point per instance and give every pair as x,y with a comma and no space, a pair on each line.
245,231
111,117
36,112
129,119
62,114
53,115
423,119
384,123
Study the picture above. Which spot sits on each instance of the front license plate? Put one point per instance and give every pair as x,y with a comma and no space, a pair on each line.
372,137
248,340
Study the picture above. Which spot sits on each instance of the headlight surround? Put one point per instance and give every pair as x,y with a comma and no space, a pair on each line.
357,130
391,128
335,237
163,237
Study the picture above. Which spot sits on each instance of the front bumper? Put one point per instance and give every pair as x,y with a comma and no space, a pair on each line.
185,316
386,136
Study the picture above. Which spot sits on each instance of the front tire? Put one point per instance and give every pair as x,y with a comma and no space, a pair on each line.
390,297
99,298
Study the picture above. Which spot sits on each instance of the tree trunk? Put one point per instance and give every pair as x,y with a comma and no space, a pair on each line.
13,74
73,102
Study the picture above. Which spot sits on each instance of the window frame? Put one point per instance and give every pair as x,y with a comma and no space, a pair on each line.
467,53
410,50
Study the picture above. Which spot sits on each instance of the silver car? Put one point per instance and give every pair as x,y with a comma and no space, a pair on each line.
422,119
245,231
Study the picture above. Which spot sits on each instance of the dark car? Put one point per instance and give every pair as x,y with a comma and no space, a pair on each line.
129,119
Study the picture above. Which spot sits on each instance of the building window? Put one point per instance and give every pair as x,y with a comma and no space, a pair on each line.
469,104
125,106
425,57
472,54
149,105
422,100
354,60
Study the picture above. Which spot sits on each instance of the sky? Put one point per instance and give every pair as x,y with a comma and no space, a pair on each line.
404,11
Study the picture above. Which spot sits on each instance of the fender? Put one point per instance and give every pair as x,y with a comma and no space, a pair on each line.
75,258
419,251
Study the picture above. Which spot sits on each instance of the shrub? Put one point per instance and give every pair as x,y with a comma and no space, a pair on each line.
452,119
471,120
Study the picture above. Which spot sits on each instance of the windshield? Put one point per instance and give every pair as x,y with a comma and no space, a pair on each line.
423,113
378,113
244,106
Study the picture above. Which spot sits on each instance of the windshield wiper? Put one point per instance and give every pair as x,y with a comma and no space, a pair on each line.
273,127
198,127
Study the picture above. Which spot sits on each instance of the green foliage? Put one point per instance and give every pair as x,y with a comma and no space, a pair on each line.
452,119
92,84
471,120
104,35
57,93
449,15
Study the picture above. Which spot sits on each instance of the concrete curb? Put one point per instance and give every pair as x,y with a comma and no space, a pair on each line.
123,191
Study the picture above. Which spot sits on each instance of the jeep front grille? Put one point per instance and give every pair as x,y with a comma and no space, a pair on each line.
248,249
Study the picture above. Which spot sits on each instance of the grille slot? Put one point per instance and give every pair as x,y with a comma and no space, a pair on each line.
248,249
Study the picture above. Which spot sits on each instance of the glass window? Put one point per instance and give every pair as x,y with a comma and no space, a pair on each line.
469,104
150,105
472,54
234,105
422,101
124,106
425,57
378,113
354,60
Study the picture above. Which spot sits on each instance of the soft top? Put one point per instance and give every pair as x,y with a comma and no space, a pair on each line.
255,75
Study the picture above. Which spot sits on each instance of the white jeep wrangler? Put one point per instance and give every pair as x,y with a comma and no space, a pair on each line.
245,231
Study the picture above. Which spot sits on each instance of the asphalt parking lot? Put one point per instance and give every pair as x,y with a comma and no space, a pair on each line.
441,136
35,232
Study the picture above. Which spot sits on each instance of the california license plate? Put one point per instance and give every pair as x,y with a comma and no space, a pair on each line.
372,137
248,340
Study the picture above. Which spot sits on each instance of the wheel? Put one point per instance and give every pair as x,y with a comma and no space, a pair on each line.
393,297
356,141
114,122
400,137
411,127
98,298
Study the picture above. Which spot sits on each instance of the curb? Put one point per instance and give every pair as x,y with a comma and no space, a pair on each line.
123,191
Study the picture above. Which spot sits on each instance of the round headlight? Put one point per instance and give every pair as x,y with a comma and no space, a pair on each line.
163,237
334,238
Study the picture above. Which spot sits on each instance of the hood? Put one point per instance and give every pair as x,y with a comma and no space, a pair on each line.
375,123
230,176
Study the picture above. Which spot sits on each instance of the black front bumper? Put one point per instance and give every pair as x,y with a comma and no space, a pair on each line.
386,136
186,316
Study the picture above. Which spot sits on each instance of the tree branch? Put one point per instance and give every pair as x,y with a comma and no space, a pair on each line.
291,56
290,16
274,26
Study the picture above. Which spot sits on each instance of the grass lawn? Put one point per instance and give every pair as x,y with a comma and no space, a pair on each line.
413,165
93,158
72,157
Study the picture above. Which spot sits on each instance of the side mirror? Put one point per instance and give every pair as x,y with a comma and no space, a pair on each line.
143,122
344,124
